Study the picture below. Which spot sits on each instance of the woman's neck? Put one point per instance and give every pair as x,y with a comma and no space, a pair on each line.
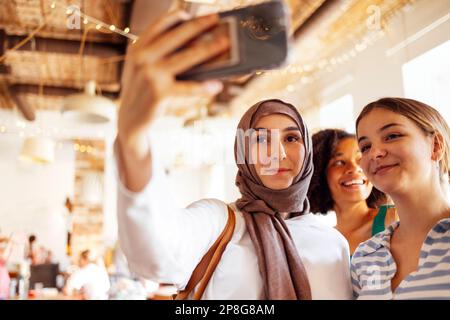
420,211
351,215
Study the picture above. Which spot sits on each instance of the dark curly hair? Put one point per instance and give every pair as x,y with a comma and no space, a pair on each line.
319,195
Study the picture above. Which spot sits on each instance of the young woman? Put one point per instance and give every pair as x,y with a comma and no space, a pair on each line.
405,153
339,184
278,249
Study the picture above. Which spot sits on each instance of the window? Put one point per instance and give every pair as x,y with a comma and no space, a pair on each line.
338,114
427,78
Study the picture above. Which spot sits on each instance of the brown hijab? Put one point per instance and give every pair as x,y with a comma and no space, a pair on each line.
280,265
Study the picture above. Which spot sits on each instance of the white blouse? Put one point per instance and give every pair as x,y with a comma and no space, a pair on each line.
164,243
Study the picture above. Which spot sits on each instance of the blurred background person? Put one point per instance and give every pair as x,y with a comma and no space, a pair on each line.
68,218
339,184
5,250
91,280
31,252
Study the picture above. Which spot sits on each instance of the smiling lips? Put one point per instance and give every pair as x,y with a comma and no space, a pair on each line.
353,182
383,168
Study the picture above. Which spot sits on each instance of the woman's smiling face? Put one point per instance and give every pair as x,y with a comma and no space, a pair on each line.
346,180
278,149
396,153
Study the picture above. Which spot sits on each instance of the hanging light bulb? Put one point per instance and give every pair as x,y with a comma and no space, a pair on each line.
38,150
89,107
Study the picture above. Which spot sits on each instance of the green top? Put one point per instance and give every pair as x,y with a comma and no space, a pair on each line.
378,221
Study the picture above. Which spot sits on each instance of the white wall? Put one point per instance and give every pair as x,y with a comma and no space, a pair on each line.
372,73
109,197
32,196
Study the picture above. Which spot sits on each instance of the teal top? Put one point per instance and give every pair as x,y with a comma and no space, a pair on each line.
378,222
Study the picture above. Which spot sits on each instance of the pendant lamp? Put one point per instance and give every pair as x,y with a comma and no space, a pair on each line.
88,107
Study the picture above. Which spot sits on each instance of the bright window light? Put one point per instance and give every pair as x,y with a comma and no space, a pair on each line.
427,78
338,114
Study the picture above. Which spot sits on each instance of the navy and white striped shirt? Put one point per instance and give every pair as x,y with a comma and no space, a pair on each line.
373,267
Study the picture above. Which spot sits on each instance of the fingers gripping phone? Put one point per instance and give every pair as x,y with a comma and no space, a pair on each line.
258,41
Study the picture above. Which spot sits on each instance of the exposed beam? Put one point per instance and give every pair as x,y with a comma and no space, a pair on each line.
54,91
27,111
65,46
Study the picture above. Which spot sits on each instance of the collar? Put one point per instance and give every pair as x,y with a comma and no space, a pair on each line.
383,239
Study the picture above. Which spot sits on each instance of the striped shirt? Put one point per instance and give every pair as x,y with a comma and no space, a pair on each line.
373,267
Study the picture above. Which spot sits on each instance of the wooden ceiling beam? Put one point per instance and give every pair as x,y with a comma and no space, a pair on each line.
44,45
12,99
27,111
54,91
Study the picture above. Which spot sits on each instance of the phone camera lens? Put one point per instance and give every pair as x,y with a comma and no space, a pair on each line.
259,28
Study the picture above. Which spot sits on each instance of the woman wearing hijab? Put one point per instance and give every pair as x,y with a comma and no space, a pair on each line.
278,250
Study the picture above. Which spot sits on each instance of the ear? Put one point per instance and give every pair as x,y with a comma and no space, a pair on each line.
438,147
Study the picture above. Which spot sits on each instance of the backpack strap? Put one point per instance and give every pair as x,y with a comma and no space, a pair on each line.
205,268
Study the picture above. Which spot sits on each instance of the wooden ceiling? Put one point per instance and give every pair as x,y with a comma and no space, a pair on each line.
338,32
55,63
49,67
19,17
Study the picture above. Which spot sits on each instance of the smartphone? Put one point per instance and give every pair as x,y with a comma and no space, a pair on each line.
258,41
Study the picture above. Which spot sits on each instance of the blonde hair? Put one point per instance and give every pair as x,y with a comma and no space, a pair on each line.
428,119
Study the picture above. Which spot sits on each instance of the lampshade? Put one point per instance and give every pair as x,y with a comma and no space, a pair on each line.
92,188
88,107
38,149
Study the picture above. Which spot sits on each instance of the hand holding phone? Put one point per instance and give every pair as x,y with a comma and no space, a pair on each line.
258,37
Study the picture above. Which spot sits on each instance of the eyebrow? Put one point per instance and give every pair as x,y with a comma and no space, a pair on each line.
285,129
389,125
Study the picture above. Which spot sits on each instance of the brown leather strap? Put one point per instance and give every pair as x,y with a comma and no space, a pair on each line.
205,268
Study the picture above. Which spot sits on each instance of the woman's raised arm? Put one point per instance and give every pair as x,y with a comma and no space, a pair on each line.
151,66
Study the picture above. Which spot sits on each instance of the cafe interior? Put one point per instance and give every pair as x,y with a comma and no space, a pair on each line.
61,64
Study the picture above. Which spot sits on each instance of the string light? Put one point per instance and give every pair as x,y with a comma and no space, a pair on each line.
308,68
83,148
21,124
2,129
360,47
99,24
